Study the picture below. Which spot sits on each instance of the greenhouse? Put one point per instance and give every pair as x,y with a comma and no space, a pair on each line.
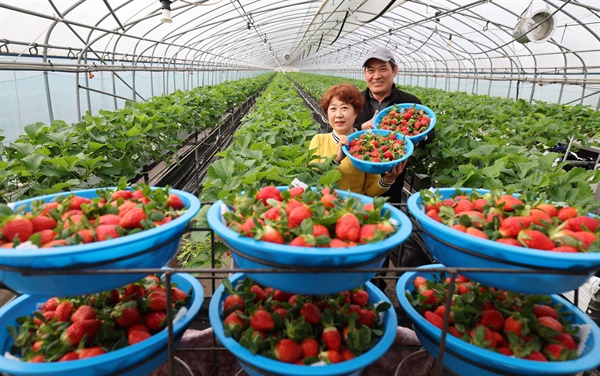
300,187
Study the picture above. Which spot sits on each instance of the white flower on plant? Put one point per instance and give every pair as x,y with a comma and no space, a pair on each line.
135,156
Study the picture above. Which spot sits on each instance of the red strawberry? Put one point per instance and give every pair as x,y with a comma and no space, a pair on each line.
85,235
269,234
479,204
492,319
19,227
83,312
64,311
508,202
366,317
431,298
77,201
125,194
476,232
178,294
420,284
544,310
136,336
133,218
510,241
132,291
459,227
296,191
298,214
554,351
128,317
549,209
281,296
537,356
320,230
37,359
106,232
540,217
233,321
157,300
434,215
565,249
485,339
50,304
332,338
71,355
535,239
310,347
47,207
48,316
273,214
434,319
566,340
347,354
360,297
511,226
513,324
566,212
463,206
233,302
331,356
262,321
287,350
91,352
175,202
109,219
260,295
586,238
155,320
42,222
441,312
76,332
268,192
550,322
311,313
347,227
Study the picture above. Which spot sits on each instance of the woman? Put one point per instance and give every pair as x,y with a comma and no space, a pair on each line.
342,103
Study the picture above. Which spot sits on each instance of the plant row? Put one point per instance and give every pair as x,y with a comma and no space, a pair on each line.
269,148
100,150
495,143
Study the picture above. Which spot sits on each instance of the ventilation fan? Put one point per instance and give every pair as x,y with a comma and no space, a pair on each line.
536,28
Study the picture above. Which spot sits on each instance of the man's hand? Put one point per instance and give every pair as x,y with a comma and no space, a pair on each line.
369,124
390,177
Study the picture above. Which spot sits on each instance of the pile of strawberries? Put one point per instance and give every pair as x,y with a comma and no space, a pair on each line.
73,219
308,218
301,329
513,324
410,121
66,329
524,221
376,147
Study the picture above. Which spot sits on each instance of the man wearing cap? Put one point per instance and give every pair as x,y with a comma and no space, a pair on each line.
380,69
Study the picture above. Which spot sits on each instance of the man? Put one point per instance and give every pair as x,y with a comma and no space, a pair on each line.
380,70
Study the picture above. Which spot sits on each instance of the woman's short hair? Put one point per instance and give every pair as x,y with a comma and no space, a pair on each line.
345,92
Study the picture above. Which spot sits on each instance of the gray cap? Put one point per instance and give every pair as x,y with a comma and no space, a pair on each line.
379,53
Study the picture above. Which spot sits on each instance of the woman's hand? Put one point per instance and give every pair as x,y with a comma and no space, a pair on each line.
368,124
340,153
390,177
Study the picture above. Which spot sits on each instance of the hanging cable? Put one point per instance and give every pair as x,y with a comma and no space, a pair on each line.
374,18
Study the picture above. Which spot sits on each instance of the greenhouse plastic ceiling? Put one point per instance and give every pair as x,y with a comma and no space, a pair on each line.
560,38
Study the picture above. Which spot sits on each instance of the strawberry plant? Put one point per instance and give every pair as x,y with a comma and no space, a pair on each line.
71,219
68,329
519,325
302,329
527,221
377,147
410,121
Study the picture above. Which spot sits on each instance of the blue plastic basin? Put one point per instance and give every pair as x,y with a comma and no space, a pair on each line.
257,365
466,359
251,253
151,248
139,359
377,167
454,248
417,138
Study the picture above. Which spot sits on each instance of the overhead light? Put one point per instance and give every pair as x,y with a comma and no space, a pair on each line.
166,11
